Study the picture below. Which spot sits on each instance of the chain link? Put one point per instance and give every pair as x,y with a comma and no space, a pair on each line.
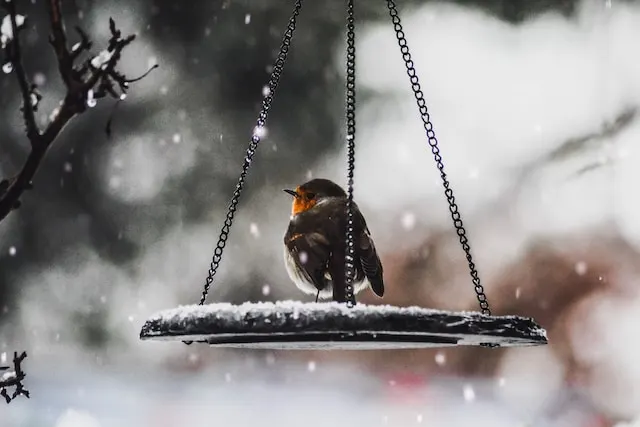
251,151
433,142
351,136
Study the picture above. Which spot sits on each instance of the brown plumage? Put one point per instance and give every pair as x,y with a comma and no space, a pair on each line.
315,243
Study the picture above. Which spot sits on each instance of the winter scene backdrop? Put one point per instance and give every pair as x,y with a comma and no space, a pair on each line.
536,107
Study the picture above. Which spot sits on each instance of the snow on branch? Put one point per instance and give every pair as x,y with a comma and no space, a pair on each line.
13,378
86,81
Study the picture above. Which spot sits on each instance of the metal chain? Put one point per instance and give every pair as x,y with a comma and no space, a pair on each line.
251,151
351,136
433,142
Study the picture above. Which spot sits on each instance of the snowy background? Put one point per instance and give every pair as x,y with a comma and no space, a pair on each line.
535,104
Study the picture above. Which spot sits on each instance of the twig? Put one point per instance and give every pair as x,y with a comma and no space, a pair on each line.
58,40
15,380
14,55
95,78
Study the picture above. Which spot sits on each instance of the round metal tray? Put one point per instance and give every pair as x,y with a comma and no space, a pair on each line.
289,325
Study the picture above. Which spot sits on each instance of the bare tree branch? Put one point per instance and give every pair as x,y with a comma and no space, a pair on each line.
58,40
14,55
95,78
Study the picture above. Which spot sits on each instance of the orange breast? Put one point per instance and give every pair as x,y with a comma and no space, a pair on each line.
300,204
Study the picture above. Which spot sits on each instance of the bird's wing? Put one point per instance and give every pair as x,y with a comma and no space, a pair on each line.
310,252
371,265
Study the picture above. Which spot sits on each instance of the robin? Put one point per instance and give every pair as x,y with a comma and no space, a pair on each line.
315,243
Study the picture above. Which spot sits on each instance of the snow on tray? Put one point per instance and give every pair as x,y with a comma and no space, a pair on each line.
224,322
185,312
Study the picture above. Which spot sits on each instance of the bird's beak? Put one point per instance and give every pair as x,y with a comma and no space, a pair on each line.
292,192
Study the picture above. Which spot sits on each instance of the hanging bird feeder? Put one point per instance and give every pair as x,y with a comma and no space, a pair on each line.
298,325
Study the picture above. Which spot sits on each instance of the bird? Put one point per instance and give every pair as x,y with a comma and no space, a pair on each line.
315,243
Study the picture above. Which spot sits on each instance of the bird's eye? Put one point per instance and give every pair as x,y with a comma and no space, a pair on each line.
311,196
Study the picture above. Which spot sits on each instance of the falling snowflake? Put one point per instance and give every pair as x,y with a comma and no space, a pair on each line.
581,268
247,19
469,393
266,91
408,220
67,167
266,290
39,79
518,291
176,138
303,257
311,366
12,251
253,229
441,359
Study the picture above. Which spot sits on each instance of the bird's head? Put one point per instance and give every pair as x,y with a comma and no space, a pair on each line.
307,195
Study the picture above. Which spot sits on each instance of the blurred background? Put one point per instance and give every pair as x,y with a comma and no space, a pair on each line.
535,104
